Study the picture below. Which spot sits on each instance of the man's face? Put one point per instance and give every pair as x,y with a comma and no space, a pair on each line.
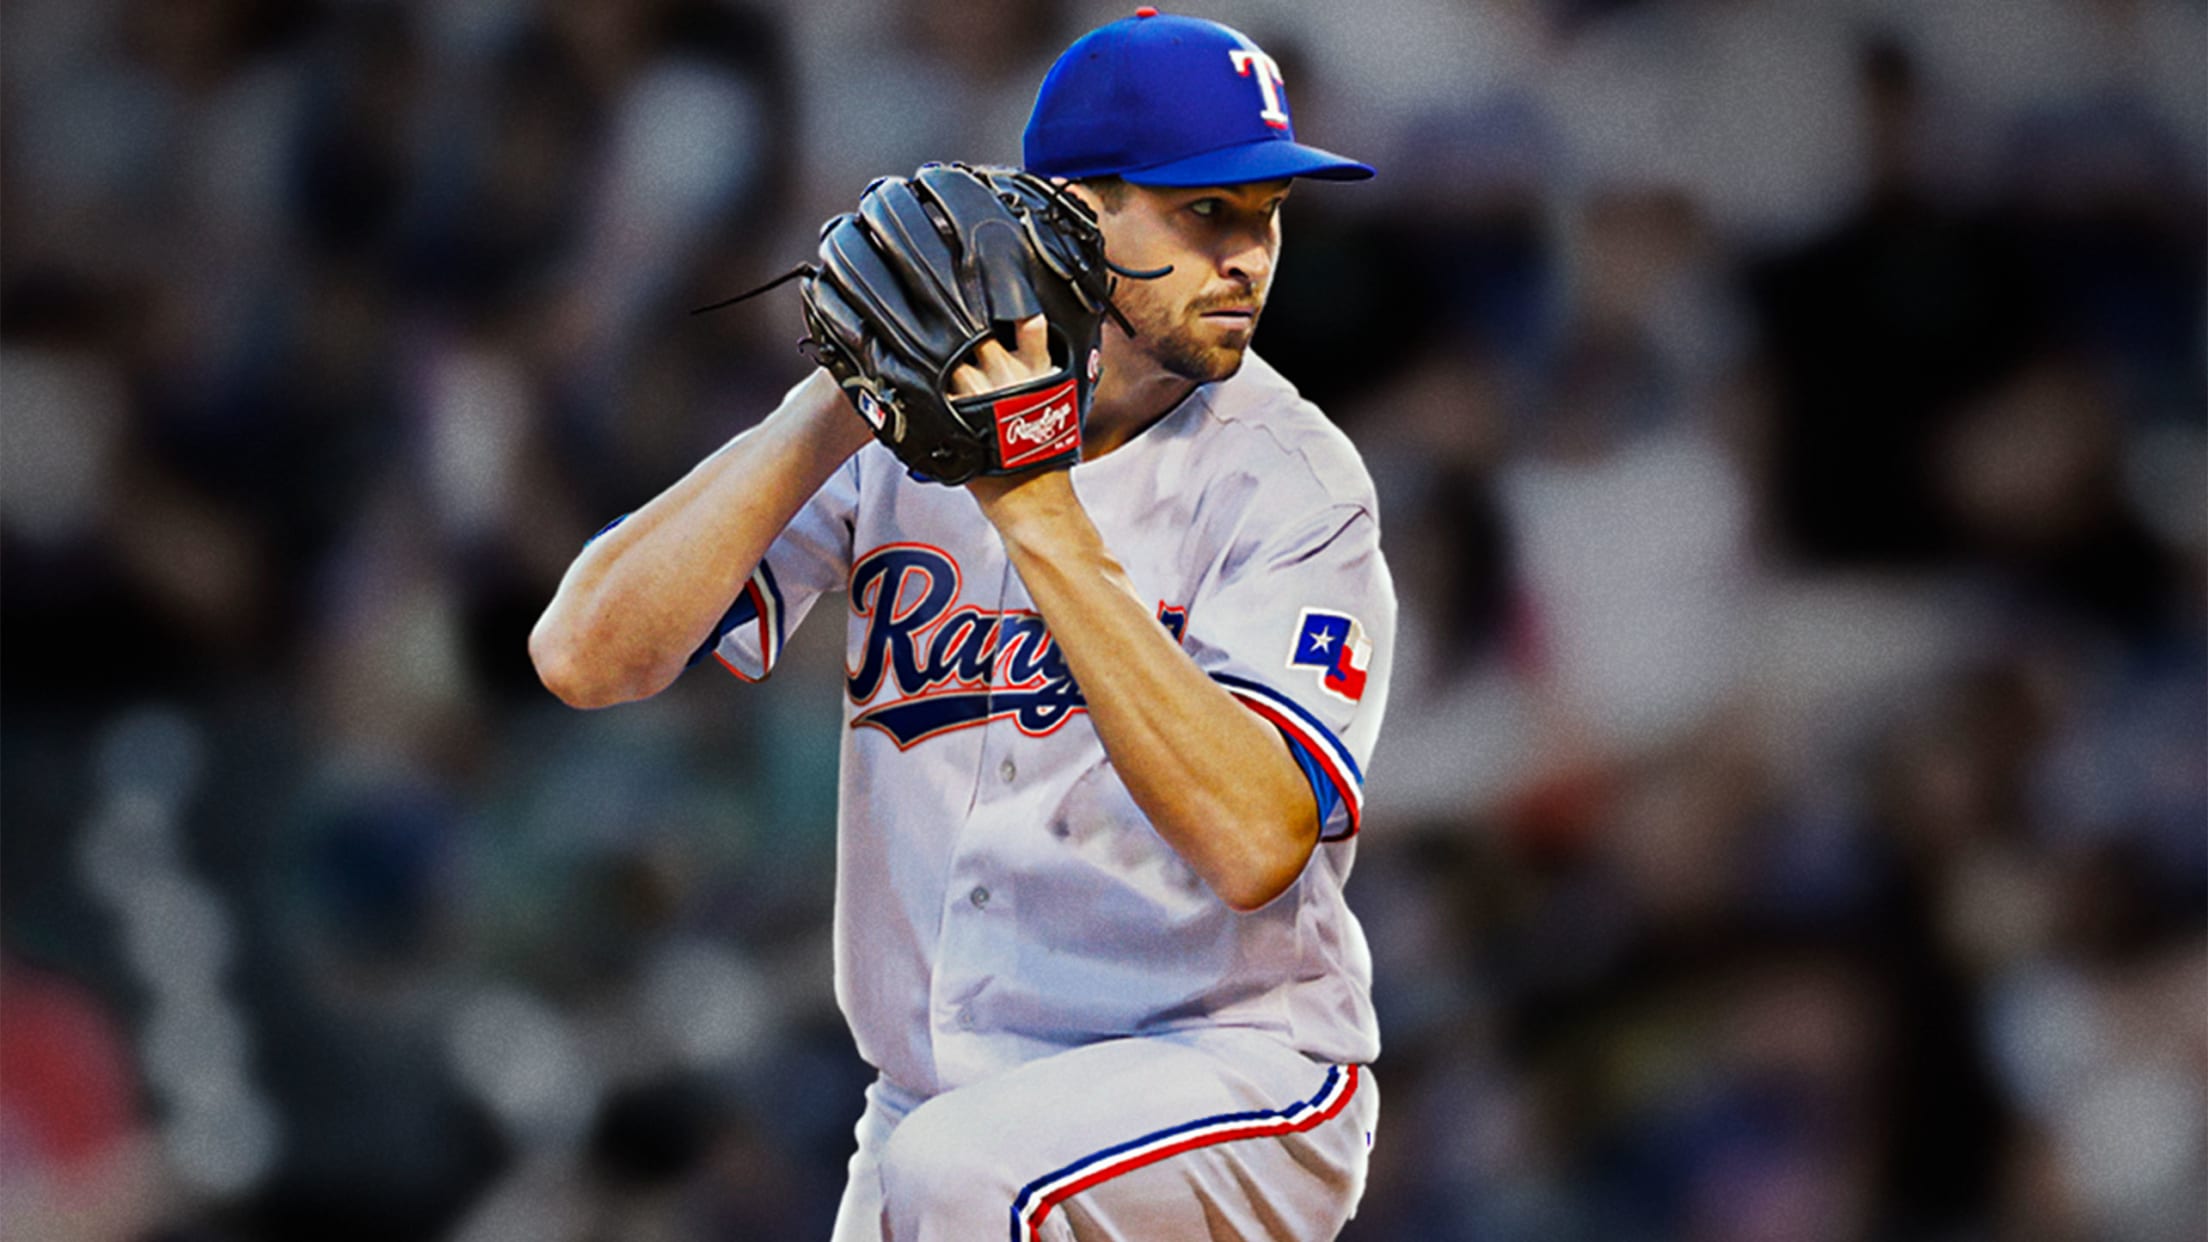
1221,241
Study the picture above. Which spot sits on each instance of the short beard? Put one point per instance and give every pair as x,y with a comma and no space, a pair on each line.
1180,353
1177,349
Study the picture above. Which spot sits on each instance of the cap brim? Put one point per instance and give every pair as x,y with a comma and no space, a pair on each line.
1253,161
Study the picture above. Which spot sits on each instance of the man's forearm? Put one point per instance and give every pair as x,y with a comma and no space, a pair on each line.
643,596
1216,781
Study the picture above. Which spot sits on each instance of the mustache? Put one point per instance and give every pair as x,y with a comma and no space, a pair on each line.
1234,301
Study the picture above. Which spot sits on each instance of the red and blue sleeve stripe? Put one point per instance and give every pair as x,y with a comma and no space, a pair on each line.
760,602
1326,762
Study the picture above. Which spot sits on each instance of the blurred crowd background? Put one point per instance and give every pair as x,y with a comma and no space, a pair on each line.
1791,822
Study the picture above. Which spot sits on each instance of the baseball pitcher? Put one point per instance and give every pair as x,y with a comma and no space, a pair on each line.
1118,637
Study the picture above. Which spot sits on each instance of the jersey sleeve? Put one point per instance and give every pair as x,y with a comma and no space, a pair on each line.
1301,629
811,557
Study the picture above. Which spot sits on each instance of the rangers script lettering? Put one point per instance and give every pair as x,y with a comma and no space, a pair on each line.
954,667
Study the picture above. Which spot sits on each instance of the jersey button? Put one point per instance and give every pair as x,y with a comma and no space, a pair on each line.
980,897
965,1019
1007,770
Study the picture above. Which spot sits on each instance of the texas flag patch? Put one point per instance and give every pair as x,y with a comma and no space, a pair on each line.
1335,642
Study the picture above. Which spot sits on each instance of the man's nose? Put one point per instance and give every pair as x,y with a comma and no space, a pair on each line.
1248,262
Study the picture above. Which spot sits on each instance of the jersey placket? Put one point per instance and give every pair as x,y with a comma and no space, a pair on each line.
977,941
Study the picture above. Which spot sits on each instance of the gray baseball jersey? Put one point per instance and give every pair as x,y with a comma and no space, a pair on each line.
1000,896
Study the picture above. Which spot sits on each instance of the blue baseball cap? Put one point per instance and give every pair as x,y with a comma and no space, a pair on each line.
1171,101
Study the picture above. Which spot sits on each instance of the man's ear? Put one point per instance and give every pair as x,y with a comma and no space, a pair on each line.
1088,196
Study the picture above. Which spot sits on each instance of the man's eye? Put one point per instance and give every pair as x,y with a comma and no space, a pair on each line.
1205,207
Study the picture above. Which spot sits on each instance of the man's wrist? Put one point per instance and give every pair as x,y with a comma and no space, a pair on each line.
1037,510
820,419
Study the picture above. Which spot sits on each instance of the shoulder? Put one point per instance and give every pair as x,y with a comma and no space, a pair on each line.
1261,424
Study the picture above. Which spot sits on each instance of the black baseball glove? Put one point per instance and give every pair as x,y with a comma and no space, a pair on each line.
928,268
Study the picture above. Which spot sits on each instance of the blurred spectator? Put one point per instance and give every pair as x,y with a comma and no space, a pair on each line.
1876,331
75,1164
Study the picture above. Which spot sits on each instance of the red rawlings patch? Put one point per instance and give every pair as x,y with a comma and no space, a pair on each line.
1036,425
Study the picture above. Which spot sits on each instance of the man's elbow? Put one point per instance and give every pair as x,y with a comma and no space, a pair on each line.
576,680
1251,893
1268,873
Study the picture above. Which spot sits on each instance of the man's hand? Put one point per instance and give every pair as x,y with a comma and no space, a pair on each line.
994,367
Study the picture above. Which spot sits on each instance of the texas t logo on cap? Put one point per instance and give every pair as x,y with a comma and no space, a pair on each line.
1171,101
1246,59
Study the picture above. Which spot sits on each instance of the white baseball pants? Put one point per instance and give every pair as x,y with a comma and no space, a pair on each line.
1197,1135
